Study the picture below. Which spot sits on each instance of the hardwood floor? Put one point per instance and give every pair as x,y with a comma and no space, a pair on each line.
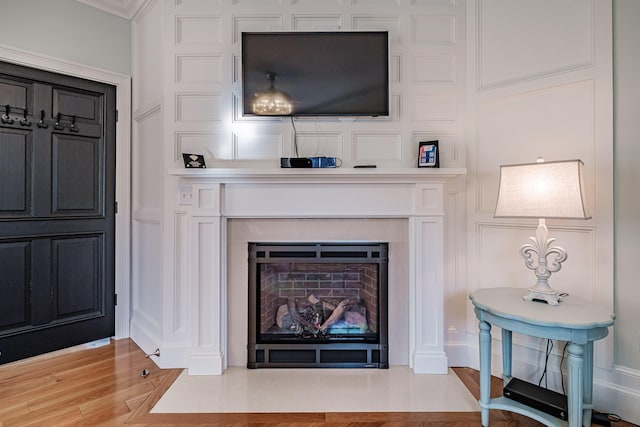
104,386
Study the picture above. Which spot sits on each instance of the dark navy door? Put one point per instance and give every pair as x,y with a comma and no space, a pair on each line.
57,211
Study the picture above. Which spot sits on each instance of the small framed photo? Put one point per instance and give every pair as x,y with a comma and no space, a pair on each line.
428,155
193,160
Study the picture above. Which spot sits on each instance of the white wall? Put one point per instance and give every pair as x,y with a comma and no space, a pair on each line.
627,176
69,30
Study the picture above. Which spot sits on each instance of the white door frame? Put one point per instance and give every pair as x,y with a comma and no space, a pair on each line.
123,162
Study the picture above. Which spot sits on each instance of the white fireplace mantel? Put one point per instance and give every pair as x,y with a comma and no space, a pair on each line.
210,197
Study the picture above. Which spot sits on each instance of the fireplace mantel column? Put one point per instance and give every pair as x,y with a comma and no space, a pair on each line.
426,241
208,295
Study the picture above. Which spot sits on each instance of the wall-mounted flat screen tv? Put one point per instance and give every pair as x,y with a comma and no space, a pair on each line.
315,73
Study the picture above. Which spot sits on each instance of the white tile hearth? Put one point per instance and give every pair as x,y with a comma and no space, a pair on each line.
241,390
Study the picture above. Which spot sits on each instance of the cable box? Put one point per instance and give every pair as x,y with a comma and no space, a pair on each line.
540,398
308,162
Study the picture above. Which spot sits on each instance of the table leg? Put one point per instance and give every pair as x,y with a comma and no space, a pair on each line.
485,371
588,383
506,356
576,387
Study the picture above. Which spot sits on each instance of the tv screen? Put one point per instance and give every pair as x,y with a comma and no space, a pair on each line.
316,73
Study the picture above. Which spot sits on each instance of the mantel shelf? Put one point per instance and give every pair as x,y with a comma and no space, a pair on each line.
319,175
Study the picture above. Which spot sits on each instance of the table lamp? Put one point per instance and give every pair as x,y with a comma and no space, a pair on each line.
542,190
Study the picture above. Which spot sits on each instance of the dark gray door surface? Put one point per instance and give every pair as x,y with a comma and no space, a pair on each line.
57,211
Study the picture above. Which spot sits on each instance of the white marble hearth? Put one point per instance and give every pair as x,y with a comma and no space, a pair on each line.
226,208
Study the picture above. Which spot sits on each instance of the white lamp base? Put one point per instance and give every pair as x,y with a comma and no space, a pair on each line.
551,298
542,264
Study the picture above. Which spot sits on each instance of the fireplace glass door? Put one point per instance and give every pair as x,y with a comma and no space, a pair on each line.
318,305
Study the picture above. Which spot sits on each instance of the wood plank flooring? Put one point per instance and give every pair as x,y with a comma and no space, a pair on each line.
104,387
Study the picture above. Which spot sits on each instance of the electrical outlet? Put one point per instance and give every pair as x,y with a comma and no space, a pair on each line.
186,195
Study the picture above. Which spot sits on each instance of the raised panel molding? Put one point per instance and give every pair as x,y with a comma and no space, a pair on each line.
199,107
180,315
266,145
328,144
500,263
365,3
199,68
310,3
146,111
316,22
395,68
434,68
433,2
434,107
198,3
211,144
510,131
433,30
198,29
376,146
258,3
516,43
379,23
255,23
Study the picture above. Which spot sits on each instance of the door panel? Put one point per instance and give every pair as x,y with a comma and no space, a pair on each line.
17,94
76,165
15,172
78,288
14,292
57,217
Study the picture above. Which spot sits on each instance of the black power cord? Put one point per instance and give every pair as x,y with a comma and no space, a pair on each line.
546,363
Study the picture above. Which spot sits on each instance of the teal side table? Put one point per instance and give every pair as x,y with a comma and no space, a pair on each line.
576,321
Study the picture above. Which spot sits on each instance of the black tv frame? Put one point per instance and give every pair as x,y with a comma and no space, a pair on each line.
326,58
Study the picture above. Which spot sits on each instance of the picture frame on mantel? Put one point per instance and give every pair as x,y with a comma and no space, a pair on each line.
193,161
428,154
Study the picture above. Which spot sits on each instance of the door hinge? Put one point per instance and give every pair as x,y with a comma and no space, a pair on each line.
115,299
116,115
115,206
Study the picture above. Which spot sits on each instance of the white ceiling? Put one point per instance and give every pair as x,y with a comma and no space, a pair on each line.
123,8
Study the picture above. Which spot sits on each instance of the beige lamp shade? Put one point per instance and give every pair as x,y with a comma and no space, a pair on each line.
542,190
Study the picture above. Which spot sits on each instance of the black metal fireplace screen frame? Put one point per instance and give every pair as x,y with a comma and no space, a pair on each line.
366,350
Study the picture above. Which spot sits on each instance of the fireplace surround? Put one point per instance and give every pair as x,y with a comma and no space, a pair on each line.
211,198
318,305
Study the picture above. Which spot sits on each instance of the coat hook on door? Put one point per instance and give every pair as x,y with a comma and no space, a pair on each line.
73,127
57,125
24,121
42,124
6,119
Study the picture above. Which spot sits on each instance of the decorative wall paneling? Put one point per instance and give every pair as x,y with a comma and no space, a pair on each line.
187,59
147,178
540,85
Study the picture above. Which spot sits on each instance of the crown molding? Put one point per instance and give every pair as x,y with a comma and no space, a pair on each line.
122,8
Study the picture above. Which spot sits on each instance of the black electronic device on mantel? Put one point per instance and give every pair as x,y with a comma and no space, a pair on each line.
322,73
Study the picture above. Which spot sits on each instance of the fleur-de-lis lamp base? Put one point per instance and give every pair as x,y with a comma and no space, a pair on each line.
544,259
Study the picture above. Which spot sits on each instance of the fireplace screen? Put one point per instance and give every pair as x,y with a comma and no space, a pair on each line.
318,304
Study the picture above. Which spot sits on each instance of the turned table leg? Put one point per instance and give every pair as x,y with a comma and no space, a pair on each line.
575,361
485,371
